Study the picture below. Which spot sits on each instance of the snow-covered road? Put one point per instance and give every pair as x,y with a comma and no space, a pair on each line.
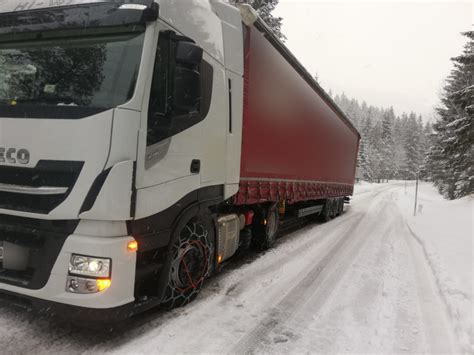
359,283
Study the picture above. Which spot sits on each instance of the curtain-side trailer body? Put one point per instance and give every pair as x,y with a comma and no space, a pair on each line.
296,143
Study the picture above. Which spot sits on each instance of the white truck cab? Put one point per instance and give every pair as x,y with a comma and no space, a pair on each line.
120,131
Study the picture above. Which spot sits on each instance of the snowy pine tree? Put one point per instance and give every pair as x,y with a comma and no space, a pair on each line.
413,157
376,144
386,147
364,159
450,159
425,142
399,153
383,146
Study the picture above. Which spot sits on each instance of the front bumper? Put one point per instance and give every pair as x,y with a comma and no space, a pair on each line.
79,315
121,291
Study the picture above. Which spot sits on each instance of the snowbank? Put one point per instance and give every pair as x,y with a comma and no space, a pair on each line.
444,229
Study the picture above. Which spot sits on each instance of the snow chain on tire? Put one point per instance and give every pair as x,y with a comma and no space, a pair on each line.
192,257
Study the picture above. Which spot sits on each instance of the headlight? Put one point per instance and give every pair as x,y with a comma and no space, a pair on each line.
89,266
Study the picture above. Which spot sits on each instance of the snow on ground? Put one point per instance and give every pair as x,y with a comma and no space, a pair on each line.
365,282
362,187
444,229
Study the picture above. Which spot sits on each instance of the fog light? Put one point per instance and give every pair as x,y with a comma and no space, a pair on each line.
90,266
86,286
73,285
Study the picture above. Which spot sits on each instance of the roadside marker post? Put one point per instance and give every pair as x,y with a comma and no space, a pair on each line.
416,196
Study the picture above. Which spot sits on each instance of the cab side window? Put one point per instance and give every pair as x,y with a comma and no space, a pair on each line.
181,88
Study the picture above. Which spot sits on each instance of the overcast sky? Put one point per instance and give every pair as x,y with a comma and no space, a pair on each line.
388,53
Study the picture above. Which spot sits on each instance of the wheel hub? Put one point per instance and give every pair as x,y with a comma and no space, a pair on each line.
190,266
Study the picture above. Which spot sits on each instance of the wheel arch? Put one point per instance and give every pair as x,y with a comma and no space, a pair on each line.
197,209
158,233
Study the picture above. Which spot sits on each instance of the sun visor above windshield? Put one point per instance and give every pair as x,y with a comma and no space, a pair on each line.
23,16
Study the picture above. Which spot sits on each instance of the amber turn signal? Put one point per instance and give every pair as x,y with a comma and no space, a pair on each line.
103,284
132,246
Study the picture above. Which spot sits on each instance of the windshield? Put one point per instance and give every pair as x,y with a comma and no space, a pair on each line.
68,78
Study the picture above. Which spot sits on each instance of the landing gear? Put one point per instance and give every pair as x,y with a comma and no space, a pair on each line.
192,262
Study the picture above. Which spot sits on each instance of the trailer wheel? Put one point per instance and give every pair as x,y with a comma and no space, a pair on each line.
326,213
267,232
340,206
335,208
192,263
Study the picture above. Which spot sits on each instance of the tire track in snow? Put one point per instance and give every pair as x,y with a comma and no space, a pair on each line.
322,233
367,311
329,270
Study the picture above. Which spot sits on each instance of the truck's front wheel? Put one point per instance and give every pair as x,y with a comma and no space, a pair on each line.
192,260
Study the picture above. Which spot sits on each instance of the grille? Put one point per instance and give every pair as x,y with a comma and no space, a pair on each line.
46,173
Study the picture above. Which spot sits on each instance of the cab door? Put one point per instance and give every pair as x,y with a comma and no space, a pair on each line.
173,141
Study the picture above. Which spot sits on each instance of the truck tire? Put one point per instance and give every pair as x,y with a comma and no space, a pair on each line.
334,208
266,233
326,213
245,241
340,205
192,263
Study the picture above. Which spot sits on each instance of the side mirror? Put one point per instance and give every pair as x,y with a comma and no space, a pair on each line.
152,13
188,53
186,90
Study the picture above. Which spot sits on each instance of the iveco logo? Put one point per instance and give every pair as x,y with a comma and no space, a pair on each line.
14,156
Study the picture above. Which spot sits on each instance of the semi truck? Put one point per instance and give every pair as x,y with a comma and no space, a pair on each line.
143,143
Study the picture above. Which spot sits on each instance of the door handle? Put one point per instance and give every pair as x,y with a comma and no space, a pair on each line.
195,166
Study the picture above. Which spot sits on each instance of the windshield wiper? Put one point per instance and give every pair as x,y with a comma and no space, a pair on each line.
52,101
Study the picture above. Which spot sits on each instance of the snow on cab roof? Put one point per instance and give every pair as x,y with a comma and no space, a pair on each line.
25,5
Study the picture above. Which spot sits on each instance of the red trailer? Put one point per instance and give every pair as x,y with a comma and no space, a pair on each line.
297,144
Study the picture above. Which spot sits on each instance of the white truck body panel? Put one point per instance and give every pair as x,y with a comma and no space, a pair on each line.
76,140
197,19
